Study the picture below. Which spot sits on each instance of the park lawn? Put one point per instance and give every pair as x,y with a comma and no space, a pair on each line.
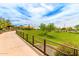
67,38
31,33
60,37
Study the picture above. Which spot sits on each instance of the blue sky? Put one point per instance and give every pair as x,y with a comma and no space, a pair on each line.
61,14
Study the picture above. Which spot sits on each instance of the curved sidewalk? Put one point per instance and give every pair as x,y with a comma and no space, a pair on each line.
13,45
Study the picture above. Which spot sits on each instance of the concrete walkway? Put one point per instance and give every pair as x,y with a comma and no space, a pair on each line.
13,45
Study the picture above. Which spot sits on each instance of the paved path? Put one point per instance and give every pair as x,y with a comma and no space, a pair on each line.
11,44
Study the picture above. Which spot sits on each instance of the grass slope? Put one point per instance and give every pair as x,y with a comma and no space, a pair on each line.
60,37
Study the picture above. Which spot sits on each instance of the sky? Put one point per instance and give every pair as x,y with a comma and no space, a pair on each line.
61,14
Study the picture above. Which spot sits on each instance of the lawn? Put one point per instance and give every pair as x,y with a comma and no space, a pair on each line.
60,37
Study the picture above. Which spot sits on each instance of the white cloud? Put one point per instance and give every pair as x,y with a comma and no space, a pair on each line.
68,16
70,12
39,1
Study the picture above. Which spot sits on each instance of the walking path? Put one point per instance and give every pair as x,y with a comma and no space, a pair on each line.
11,44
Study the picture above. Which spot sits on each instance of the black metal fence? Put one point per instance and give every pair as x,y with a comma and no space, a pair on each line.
48,47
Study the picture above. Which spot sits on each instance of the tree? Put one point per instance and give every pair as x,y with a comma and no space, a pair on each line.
42,27
8,23
77,27
64,29
50,27
69,28
4,23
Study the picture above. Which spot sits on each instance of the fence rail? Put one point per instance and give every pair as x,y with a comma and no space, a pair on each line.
48,47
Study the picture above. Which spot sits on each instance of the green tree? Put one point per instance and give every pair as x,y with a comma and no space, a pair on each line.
69,28
8,23
4,23
50,27
42,27
77,27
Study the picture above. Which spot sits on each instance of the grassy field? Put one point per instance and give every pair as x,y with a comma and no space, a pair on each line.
60,37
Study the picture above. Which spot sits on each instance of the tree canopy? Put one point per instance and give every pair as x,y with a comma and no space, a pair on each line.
77,27
42,27
4,23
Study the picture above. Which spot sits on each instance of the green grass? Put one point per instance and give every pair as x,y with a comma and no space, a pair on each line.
65,38
60,37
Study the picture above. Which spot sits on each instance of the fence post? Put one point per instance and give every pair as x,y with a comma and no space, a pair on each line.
33,40
75,52
23,35
44,46
19,32
27,37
